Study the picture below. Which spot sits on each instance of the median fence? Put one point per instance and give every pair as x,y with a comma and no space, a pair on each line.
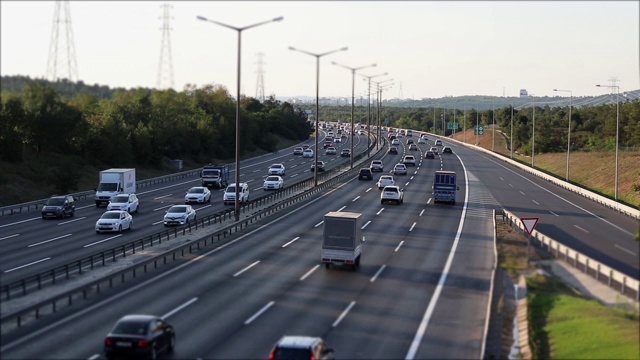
622,283
254,211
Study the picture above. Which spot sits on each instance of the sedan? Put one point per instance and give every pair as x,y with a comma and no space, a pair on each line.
409,160
447,150
179,215
438,142
393,151
320,166
298,151
114,220
345,153
308,153
276,169
395,142
392,193
413,147
422,141
434,149
330,151
198,194
139,336
385,180
337,140
429,155
400,169
273,182
124,202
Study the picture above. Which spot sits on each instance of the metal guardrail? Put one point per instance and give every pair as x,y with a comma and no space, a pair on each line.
36,204
616,280
304,188
612,204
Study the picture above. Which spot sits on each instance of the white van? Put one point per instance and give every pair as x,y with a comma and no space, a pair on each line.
229,196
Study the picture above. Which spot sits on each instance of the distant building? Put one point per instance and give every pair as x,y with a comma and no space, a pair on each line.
523,93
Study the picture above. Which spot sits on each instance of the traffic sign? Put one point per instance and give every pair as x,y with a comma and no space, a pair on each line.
386,121
452,125
529,224
478,130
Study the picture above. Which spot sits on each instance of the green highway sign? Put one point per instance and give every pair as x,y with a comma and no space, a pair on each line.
452,125
386,121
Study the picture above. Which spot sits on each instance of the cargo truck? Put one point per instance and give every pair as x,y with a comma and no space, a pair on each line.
216,176
342,240
113,182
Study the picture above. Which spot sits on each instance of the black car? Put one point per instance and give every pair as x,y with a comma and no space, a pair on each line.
447,150
345,153
59,207
365,173
139,336
320,166
393,150
301,347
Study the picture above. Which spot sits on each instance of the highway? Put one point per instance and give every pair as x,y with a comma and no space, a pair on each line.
32,244
422,290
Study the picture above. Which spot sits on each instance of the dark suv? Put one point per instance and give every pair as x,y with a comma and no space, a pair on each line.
59,207
301,347
365,173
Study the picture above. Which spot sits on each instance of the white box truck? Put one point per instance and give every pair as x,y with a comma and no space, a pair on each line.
113,182
342,240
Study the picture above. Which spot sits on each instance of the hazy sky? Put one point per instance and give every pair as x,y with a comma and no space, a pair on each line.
429,48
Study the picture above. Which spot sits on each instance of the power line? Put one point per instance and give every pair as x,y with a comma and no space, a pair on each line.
62,64
165,66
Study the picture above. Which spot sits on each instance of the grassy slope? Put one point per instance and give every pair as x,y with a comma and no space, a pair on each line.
594,170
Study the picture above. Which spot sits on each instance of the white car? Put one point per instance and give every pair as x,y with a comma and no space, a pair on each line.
438,142
273,182
376,165
124,202
330,151
298,151
229,196
276,169
392,193
385,180
337,140
308,153
179,215
434,149
198,194
395,142
421,141
409,160
400,169
114,220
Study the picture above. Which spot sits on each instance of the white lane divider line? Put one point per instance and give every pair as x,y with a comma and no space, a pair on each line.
255,316
101,241
537,203
19,222
357,197
160,197
377,273
29,264
406,184
309,272
365,225
378,213
163,207
625,250
398,247
429,201
165,316
342,208
74,220
412,226
9,237
553,213
369,189
247,268
318,224
422,212
46,241
581,228
287,244
511,185
521,193
344,313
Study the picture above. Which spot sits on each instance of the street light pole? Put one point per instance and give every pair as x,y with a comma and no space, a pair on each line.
379,103
569,131
511,137
353,90
533,136
493,138
237,170
617,132
317,115
369,109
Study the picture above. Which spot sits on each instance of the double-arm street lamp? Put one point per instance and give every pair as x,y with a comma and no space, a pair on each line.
353,90
617,133
369,109
317,114
237,170
379,103
569,131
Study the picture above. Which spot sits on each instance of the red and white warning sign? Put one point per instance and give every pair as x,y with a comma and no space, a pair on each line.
529,224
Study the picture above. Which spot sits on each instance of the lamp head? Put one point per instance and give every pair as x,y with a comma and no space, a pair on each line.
278,18
201,18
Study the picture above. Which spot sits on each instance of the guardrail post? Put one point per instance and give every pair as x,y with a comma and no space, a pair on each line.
610,276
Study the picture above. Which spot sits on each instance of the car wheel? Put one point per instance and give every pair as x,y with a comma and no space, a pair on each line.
137,209
131,225
153,355
327,265
119,228
172,344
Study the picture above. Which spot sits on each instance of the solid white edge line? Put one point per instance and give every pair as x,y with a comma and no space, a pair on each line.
246,268
344,313
422,328
377,273
296,238
494,267
255,316
306,275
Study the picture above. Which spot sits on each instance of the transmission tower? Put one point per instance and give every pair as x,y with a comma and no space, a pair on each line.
400,95
165,67
260,81
62,54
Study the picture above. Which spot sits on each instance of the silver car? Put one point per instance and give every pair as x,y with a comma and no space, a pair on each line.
179,215
198,194
385,180
114,220
124,202
400,169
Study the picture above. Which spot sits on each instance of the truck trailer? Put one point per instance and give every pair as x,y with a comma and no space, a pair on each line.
342,240
113,182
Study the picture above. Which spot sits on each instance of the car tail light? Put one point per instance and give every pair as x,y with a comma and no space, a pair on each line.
272,355
312,357
108,342
143,343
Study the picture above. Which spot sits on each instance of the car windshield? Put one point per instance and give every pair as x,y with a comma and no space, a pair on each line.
231,189
272,178
178,209
386,178
120,199
55,202
276,166
130,328
390,189
110,215
196,191
107,187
